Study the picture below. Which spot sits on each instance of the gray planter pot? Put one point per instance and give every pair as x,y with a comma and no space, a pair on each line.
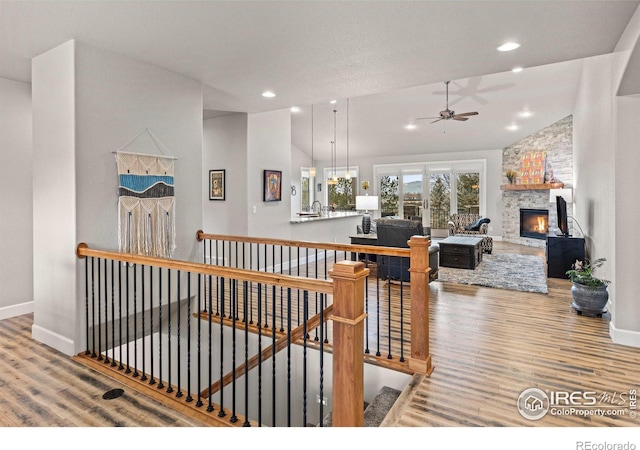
589,300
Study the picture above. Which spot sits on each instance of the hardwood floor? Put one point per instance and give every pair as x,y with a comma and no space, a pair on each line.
487,345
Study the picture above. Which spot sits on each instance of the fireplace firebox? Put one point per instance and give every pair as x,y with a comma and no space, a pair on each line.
534,223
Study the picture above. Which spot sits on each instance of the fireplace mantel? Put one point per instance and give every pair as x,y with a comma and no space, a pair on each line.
531,187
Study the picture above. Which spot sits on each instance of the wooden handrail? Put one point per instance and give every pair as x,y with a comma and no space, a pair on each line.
272,279
370,249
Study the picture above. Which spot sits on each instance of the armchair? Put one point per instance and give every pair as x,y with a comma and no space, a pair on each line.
396,233
463,224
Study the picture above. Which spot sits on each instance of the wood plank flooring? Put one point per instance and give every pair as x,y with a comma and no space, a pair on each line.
487,345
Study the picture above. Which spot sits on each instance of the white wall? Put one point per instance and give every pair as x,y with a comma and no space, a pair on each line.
87,104
16,199
605,166
269,147
54,198
625,323
225,147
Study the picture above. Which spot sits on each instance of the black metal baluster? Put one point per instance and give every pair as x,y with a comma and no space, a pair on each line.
273,355
152,381
86,308
169,385
189,397
210,405
266,293
99,312
199,402
389,309
233,304
298,312
113,316
321,365
259,355
307,275
289,357
305,333
160,383
281,292
106,314
401,320
120,366
221,413
250,287
245,304
144,359
217,280
179,355
135,321
128,370
378,316
366,310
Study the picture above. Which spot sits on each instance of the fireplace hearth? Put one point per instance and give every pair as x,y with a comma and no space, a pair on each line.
534,223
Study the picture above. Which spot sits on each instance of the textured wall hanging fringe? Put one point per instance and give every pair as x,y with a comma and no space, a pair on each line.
146,204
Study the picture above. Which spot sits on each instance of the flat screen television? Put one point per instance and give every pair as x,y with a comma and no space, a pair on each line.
563,219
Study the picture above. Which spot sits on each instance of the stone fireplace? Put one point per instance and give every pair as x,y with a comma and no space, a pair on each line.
534,223
557,141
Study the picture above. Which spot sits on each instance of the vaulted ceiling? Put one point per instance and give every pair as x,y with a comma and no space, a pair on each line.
389,57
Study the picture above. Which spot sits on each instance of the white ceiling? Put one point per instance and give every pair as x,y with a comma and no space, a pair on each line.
313,51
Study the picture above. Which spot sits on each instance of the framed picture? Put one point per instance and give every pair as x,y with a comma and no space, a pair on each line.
216,184
272,185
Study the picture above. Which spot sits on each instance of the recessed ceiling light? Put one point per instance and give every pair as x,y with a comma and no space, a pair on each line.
410,127
333,102
525,113
516,69
295,109
513,127
508,46
268,94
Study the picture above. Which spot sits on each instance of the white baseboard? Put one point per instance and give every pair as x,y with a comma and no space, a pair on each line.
624,337
21,309
54,340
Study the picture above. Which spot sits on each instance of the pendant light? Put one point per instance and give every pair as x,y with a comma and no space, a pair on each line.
347,175
312,169
334,177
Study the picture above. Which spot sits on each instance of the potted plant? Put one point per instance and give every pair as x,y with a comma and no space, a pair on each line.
511,176
589,292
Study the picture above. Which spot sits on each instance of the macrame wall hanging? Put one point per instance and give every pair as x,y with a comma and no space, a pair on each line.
146,203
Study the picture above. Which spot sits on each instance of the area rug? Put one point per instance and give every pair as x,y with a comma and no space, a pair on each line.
504,271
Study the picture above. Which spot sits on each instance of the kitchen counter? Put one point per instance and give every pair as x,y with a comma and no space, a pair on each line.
310,217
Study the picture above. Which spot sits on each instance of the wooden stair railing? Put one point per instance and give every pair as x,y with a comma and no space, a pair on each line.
347,290
419,360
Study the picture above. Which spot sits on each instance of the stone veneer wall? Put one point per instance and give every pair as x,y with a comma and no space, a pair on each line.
557,141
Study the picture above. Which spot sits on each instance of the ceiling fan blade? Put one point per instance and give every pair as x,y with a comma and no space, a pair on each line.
457,117
423,118
468,114
437,120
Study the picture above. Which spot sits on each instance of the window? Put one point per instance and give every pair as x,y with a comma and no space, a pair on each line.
342,195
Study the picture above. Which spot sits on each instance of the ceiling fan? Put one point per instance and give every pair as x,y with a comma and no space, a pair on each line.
448,114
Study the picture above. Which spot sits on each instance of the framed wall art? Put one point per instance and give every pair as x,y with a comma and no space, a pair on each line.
217,184
272,185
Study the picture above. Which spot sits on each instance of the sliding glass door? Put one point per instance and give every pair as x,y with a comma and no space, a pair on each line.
430,192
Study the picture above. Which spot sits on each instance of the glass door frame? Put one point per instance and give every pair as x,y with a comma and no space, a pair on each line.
426,169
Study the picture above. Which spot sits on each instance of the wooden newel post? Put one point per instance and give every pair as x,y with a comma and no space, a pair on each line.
420,359
348,337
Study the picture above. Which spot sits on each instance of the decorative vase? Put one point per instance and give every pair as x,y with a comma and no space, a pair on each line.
366,223
589,300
